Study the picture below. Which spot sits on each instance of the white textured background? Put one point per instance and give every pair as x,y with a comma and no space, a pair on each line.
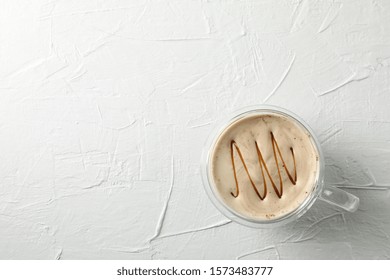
105,106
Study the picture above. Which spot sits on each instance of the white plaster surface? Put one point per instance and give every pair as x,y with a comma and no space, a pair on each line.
105,107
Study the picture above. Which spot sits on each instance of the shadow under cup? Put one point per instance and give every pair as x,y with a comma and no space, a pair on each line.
318,189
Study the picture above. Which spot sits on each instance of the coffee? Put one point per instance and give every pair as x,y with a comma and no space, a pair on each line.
264,166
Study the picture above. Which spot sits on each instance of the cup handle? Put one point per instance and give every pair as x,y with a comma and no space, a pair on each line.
340,198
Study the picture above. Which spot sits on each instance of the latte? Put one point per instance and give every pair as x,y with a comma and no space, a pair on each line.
264,166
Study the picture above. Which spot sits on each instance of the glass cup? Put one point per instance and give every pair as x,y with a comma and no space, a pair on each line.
330,194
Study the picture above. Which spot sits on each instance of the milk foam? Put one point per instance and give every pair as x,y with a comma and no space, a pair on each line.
248,131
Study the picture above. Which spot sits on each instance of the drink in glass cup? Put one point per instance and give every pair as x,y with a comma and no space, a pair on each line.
264,167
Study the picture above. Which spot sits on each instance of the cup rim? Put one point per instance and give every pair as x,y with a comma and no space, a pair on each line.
230,213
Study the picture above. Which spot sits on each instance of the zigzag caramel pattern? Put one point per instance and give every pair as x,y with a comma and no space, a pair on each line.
263,166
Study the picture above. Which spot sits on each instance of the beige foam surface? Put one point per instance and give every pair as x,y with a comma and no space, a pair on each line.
246,132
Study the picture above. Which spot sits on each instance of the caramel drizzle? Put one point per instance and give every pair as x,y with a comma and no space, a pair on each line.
263,166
